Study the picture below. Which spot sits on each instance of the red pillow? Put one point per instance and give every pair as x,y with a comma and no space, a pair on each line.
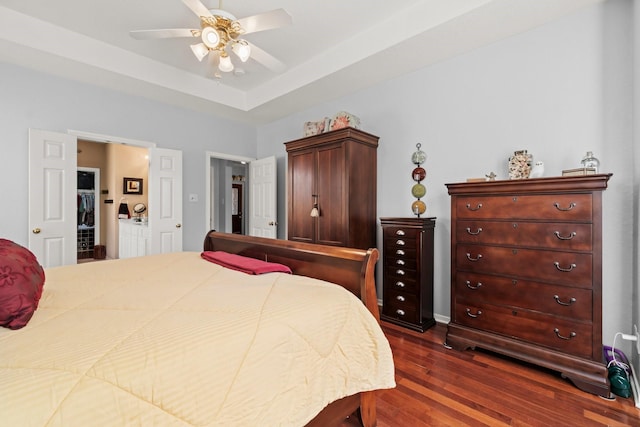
21,282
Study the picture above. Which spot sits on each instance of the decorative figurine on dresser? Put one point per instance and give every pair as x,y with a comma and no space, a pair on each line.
407,289
526,273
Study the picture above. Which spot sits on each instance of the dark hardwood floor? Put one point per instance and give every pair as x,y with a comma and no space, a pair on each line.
441,387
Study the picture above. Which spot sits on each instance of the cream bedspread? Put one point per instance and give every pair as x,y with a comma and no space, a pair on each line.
174,340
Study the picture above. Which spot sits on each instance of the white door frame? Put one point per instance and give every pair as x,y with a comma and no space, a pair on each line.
208,157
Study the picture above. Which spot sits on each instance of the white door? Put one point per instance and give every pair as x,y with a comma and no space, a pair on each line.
263,197
165,200
52,197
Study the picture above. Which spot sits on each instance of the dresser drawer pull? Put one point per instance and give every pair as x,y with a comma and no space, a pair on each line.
474,209
400,312
400,272
400,298
470,286
557,298
476,258
571,335
400,233
470,314
566,270
400,242
399,252
571,206
400,262
400,284
478,231
569,237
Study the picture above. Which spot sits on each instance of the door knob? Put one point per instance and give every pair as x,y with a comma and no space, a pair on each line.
273,223
178,225
36,230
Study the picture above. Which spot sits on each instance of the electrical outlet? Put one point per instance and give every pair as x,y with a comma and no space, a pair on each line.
637,334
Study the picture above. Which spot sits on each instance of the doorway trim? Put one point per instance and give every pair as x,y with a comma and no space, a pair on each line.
209,155
96,137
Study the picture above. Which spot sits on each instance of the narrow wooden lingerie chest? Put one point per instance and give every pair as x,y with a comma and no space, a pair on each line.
526,273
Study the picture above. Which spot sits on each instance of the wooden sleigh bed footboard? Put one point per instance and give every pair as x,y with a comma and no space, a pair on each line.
351,268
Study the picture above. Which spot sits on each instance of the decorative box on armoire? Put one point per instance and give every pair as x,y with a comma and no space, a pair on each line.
331,188
407,288
526,273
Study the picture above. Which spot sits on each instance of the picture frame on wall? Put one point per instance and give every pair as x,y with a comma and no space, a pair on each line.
132,186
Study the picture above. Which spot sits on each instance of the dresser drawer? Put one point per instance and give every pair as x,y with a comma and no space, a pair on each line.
568,268
564,301
552,235
401,238
556,207
402,263
561,334
401,306
406,284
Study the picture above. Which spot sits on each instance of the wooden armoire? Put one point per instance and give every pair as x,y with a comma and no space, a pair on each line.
335,173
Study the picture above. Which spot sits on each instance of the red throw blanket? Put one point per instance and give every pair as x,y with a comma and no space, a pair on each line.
244,264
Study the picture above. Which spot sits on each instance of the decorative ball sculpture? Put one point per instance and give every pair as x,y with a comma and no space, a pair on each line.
418,174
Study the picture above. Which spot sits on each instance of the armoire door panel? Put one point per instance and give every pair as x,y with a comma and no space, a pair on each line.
332,188
301,191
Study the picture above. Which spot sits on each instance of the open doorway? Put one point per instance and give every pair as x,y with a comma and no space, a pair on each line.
88,214
258,178
228,196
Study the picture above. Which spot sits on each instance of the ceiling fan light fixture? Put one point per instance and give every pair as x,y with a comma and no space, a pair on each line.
242,49
200,50
210,37
225,64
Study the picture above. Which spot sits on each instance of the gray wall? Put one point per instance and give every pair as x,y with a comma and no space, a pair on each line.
29,99
557,91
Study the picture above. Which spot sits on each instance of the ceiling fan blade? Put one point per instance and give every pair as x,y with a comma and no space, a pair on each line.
266,59
197,7
265,21
163,33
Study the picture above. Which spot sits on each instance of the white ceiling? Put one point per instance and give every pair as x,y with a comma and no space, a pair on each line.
333,48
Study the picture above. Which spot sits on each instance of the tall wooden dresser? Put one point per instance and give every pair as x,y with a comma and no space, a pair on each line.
526,273
407,289
335,172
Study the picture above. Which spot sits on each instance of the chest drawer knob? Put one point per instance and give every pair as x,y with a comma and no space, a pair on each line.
400,298
478,206
568,208
557,298
400,312
571,335
566,270
400,242
400,262
569,237
474,233
476,258
399,232
400,272
399,252
474,315
400,284
474,287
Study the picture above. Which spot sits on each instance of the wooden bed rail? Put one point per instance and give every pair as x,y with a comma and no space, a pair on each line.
353,269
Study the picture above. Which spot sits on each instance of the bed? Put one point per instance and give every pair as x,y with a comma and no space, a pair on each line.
175,339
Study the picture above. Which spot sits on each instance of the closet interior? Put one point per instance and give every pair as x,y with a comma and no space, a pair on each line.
86,213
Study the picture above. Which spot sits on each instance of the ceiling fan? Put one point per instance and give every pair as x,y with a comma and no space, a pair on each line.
220,32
